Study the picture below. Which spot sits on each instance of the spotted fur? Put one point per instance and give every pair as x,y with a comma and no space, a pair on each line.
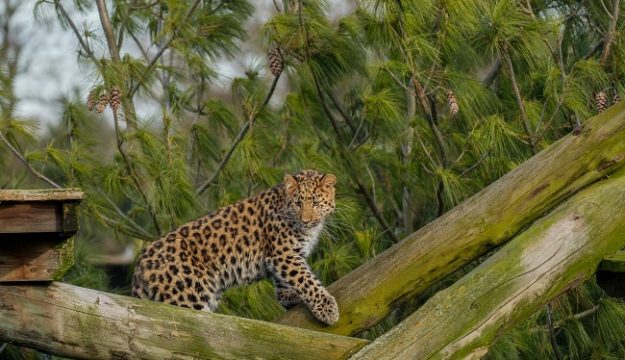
269,235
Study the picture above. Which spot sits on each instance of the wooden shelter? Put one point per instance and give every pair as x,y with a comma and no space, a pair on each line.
36,229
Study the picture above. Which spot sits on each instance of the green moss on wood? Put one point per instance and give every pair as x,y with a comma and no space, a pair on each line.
66,252
554,254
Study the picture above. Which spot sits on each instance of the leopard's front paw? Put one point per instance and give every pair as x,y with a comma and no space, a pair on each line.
287,297
326,309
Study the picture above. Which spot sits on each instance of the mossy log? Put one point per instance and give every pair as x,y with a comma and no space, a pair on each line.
556,253
75,322
486,220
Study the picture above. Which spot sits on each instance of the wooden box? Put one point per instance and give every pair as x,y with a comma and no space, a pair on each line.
36,229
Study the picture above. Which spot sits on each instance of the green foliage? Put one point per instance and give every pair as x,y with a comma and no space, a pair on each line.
363,95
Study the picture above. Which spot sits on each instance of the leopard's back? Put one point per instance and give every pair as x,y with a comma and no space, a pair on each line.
194,264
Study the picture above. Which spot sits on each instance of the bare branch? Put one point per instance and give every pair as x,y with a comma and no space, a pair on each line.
146,235
165,45
474,166
552,333
520,104
609,38
82,41
108,30
369,199
239,138
26,163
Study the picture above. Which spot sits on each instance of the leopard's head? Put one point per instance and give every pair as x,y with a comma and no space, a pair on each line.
310,196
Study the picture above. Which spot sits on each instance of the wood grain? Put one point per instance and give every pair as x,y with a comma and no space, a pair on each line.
41,195
80,323
35,259
30,218
556,253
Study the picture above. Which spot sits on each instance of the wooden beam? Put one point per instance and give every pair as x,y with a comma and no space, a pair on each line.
41,195
21,218
556,253
35,259
486,220
80,323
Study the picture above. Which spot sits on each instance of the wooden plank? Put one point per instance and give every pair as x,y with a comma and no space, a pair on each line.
30,218
41,195
556,253
486,220
80,323
35,259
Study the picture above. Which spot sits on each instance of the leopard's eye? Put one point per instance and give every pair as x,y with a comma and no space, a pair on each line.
298,202
316,203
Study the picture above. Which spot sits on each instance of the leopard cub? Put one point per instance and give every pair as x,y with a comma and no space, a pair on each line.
268,235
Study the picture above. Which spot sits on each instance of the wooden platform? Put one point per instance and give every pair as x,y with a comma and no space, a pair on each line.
36,229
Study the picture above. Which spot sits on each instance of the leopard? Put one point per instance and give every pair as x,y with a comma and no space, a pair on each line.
270,235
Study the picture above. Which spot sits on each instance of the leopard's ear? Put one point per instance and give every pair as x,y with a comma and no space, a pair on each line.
328,180
289,183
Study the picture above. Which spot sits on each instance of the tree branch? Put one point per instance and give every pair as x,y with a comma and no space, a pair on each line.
520,104
239,138
108,30
609,38
342,111
165,45
26,163
361,188
578,316
82,41
131,173
552,333
492,73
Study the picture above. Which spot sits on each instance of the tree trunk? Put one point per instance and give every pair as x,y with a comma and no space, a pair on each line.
557,253
74,322
482,222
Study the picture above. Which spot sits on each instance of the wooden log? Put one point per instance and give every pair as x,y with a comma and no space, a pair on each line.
556,253
486,220
75,322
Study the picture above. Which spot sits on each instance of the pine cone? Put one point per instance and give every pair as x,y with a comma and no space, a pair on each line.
275,61
601,101
91,100
115,98
103,101
452,103
616,98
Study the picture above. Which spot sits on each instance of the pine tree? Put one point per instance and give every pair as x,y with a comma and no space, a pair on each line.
368,99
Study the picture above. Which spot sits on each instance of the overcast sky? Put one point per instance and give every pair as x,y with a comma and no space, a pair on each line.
49,65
